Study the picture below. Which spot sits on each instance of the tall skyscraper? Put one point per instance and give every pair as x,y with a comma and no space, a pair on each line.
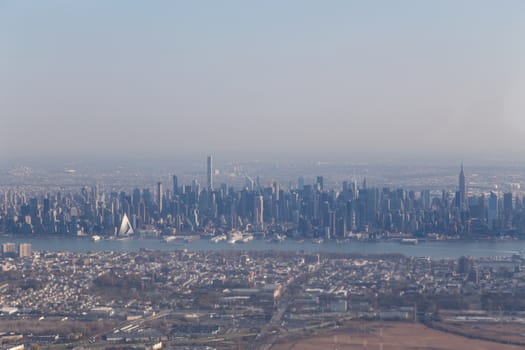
320,183
493,211
209,173
462,189
160,194
175,185
258,217
300,183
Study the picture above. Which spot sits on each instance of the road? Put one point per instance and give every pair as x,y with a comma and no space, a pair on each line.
269,333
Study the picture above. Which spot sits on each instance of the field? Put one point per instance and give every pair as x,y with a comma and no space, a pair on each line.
64,327
391,336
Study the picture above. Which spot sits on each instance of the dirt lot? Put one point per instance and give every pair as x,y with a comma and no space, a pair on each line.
56,326
501,331
392,336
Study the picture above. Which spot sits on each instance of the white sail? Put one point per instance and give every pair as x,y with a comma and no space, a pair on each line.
125,227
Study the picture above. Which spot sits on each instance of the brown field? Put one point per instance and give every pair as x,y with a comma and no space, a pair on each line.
392,336
501,331
56,326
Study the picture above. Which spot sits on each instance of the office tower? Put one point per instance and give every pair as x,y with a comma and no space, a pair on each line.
320,183
135,197
492,214
276,190
331,224
209,173
425,195
194,193
250,184
24,250
462,189
258,217
142,212
355,191
160,193
175,185
507,210
507,203
300,183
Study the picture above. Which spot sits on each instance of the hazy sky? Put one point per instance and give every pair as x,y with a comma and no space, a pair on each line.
332,77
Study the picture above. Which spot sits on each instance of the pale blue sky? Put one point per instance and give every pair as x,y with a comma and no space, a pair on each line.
333,77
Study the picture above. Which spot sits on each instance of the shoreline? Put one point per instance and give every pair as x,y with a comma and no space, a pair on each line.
146,237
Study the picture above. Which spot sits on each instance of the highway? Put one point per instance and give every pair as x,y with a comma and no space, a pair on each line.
270,332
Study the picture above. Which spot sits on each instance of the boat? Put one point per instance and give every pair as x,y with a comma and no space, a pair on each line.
247,238
95,238
220,238
280,237
180,239
191,238
235,237
410,241
277,238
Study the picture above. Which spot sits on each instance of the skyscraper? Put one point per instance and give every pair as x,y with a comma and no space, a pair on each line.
492,213
160,193
175,185
462,189
320,183
258,215
209,173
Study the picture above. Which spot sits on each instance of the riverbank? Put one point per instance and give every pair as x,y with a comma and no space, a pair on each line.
433,249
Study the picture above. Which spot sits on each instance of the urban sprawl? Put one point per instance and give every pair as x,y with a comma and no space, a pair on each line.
307,210
242,299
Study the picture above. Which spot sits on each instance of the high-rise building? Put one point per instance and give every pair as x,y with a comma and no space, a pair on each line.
160,193
462,189
492,213
507,203
258,207
8,248
320,183
24,250
135,198
300,183
507,210
175,185
209,173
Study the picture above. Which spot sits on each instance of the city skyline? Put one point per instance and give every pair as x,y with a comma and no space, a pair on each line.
300,209
306,255
350,79
262,175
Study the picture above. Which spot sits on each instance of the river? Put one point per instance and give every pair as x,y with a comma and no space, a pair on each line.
433,249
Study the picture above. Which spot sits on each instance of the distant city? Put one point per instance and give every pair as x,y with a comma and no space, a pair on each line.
188,282
353,209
